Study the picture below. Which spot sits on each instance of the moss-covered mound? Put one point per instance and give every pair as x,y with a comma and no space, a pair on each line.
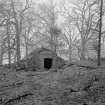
32,61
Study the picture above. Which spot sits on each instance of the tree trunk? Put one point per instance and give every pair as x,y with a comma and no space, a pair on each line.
70,53
1,56
55,49
18,42
52,42
83,50
79,52
55,44
15,59
26,49
18,31
9,49
99,37
70,48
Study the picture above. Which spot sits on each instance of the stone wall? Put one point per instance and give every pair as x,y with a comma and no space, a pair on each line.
47,54
35,60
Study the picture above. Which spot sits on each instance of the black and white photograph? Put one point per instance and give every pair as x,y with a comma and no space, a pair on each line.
52,52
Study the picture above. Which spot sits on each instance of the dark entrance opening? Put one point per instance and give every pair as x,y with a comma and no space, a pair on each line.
47,63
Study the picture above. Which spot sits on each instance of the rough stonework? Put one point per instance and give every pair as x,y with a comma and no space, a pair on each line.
41,59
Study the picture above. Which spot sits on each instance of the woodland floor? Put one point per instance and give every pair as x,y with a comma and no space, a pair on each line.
72,85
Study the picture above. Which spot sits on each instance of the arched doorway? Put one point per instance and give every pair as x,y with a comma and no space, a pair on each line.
48,62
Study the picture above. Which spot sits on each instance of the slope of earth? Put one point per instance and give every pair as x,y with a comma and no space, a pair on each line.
72,86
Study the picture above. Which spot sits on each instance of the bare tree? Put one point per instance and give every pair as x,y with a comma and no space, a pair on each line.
49,16
11,18
18,18
84,22
70,38
100,31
